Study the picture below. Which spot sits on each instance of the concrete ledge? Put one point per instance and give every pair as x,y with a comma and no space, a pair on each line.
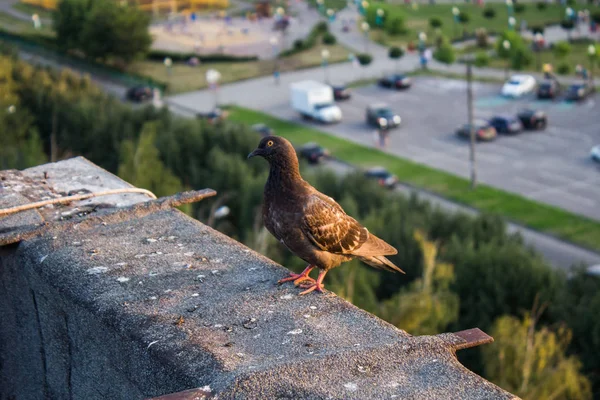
152,305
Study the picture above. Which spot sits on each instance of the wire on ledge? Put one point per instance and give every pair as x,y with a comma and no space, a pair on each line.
68,199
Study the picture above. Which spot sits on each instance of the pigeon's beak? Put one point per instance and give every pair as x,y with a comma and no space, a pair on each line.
256,152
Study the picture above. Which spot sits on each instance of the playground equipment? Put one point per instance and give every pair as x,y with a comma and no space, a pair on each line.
155,6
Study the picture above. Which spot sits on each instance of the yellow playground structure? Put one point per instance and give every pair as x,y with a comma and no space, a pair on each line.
154,6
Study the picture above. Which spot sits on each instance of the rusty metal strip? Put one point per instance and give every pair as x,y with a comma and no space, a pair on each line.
192,394
106,216
471,338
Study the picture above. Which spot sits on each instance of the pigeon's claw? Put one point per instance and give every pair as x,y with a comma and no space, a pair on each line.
318,285
297,278
315,286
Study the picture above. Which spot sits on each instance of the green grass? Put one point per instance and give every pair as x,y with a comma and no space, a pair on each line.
417,20
578,55
31,9
17,26
184,78
541,217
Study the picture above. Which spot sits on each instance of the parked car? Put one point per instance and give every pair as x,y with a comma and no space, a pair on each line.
518,85
340,92
533,119
579,91
382,117
382,176
139,93
263,130
595,153
397,81
483,130
548,89
313,153
213,116
506,124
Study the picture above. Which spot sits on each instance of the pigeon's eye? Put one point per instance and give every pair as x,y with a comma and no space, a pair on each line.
269,143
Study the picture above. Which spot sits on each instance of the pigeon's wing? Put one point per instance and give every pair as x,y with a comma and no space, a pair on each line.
330,228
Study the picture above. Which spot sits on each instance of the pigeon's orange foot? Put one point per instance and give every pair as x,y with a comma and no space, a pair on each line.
297,278
318,285
312,287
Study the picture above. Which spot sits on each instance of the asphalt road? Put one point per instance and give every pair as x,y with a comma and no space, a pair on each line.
551,166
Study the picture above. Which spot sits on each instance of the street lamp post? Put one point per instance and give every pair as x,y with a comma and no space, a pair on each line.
455,15
363,7
330,15
321,6
539,45
422,47
509,7
168,64
365,28
379,17
212,77
274,42
506,46
325,62
592,55
512,21
471,127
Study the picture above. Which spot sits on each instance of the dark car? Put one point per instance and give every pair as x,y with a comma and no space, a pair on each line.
139,93
548,89
212,116
313,153
382,117
483,131
340,93
533,119
506,124
579,91
263,130
382,176
397,81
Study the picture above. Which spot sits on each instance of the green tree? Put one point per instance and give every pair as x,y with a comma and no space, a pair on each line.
427,306
445,52
435,23
533,363
481,59
396,53
103,29
68,21
141,165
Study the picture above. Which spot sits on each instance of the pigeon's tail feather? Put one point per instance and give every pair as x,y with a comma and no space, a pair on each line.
380,262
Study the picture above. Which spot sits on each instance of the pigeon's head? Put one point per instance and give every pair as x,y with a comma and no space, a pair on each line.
274,148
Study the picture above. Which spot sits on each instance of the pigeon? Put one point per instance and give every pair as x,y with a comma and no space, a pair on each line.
310,224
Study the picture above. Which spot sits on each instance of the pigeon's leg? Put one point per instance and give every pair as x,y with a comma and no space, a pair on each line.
297,278
318,285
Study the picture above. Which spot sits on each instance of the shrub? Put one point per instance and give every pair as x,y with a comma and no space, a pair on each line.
160,55
541,5
445,53
396,26
298,44
464,17
481,59
537,29
595,17
521,57
396,53
435,22
481,38
519,8
567,24
561,49
563,68
329,39
489,13
321,27
364,59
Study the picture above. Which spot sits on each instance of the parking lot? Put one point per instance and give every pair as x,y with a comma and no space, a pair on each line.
552,166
